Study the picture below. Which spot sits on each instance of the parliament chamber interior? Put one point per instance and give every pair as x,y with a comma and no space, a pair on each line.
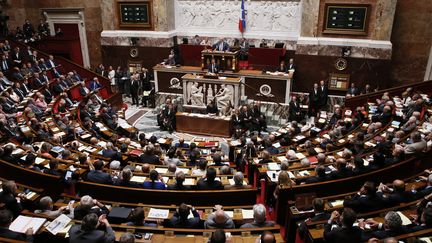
216,121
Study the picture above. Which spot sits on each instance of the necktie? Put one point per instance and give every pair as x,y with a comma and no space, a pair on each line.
5,66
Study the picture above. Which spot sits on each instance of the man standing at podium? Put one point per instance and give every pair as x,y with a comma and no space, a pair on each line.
221,45
213,67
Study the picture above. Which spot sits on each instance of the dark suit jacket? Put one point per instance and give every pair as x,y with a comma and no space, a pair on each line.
364,203
179,187
80,213
151,159
83,92
214,69
177,222
99,177
11,203
9,234
341,234
76,235
203,184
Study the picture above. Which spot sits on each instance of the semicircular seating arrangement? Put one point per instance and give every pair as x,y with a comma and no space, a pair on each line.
69,148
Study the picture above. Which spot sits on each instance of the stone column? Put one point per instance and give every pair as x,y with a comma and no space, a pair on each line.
384,16
163,15
309,21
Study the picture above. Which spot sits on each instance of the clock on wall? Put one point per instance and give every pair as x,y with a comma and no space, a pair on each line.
133,52
341,64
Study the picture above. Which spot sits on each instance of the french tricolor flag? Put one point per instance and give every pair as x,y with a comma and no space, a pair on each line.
242,20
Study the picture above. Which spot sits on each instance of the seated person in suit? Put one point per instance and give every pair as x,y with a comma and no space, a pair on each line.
213,67
46,208
341,170
219,220
425,191
209,182
137,218
155,182
396,195
418,144
88,232
320,175
346,232
424,221
319,215
10,197
238,182
89,205
365,200
259,215
392,226
148,156
6,218
181,218
179,179
97,175
125,177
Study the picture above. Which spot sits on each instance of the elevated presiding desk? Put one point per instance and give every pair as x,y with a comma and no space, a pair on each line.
256,85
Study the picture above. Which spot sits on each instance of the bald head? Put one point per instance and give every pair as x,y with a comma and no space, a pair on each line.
220,217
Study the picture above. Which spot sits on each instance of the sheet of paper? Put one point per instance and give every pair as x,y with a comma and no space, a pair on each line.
58,224
247,213
161,170
138,179
22,223
300,156
189,182
273,166
337,203
158,213
39,160
405,219
231,182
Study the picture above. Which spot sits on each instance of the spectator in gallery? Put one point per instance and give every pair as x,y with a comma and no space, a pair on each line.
353,90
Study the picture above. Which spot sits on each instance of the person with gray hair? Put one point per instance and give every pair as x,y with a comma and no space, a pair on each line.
259,215
46,207
392,226
225,170
89,205
127,238
418,144
305,162
179,179
238,182
172,168
115,165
